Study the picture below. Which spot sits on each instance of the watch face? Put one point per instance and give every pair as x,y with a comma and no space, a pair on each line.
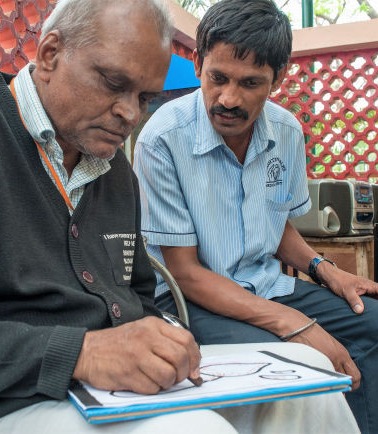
313,267
316,261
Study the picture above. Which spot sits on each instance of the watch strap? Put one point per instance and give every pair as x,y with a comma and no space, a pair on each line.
314,265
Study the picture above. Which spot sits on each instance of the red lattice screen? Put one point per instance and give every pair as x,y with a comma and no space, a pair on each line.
20,24
182,51
335,96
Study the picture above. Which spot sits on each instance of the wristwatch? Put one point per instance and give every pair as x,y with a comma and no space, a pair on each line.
313,267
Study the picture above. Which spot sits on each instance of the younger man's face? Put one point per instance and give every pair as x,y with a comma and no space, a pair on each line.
234,90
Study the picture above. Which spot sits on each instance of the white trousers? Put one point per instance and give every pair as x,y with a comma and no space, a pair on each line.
322,414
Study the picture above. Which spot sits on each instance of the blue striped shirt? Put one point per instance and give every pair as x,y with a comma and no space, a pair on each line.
196,193
40,128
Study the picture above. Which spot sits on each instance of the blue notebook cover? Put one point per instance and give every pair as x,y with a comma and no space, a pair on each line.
230,380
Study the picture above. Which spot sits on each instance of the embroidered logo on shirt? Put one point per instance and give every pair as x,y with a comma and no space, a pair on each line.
120,248
274,172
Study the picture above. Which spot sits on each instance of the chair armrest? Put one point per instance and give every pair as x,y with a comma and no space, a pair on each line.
173,286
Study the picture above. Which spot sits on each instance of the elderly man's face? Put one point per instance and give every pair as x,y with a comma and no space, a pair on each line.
98,94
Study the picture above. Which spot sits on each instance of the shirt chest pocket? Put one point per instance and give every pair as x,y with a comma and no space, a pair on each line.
277,214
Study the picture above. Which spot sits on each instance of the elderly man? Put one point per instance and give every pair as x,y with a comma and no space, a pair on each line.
70,307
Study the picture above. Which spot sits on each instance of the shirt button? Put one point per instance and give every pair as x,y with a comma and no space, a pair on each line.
87,276
74,231
116,310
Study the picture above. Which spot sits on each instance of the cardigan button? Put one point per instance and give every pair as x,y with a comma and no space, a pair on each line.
74,231
87,276
116,310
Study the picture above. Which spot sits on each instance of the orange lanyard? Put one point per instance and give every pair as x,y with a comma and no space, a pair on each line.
44,156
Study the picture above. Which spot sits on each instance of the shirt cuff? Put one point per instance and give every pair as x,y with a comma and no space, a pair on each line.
164,239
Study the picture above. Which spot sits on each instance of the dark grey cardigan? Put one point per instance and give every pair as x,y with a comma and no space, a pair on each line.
61,275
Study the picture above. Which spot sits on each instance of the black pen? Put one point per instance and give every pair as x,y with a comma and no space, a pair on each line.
176,322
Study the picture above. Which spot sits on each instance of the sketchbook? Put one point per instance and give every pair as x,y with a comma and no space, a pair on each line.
229,380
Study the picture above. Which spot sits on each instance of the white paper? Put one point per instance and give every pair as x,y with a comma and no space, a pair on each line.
227,376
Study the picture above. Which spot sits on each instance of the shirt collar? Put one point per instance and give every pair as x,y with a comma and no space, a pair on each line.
34,116
208,139
262,138
38,123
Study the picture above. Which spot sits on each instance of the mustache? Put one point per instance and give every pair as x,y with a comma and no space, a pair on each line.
235,111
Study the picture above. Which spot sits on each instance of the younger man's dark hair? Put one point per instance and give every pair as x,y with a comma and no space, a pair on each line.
256,26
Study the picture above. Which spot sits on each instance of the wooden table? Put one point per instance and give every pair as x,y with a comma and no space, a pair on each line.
361,247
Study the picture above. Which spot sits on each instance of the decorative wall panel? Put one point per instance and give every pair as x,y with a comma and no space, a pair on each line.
333,95
20,25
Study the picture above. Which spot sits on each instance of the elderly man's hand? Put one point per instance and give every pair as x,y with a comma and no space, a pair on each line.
143,356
